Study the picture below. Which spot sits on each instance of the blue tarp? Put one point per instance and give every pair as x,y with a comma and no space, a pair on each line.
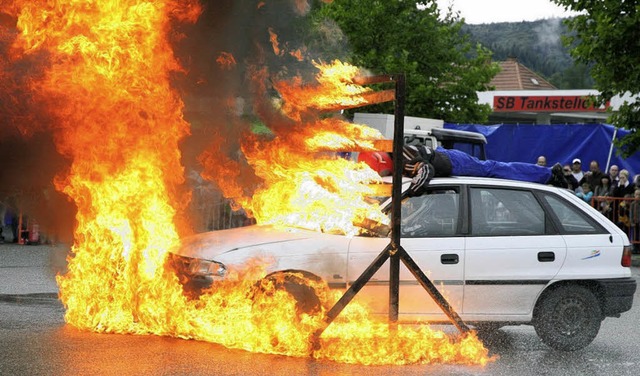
558,142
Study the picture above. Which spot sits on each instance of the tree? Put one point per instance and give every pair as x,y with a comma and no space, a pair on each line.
607,38
443,70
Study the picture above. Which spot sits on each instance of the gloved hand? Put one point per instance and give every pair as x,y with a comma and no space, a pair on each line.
423,173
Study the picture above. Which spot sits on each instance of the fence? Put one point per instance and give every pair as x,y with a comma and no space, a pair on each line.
624,212
211,211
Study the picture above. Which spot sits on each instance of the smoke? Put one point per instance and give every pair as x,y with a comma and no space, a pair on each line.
232,55
549,32
29,161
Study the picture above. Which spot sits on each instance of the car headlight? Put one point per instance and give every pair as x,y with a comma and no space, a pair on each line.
207,268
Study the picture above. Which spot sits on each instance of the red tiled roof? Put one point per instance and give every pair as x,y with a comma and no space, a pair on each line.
515,76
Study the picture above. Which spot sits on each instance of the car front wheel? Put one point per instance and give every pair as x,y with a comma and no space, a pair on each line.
305,288
568,318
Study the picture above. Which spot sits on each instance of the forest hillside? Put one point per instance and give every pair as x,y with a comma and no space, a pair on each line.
538,46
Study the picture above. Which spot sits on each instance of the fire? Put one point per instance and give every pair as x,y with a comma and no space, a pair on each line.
335,89
118,119
304,184
226,60
273,37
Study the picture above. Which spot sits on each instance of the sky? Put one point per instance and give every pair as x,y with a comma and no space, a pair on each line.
489,11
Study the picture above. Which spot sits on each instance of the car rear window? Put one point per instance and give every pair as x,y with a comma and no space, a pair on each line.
571,219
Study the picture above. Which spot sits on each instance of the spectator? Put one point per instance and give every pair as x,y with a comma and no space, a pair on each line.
11,219
568,176
613,174
623,215
586,194
594,175
576,169
624,188
601,191
634,217
3,209
542,161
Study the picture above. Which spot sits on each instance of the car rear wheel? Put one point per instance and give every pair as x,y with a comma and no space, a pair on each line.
305,288
568,318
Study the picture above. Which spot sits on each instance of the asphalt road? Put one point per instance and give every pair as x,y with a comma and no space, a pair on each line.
34,340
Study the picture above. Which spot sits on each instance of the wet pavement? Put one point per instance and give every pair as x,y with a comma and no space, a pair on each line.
35,340
31,269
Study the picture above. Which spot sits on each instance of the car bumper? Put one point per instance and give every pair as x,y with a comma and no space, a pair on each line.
617,295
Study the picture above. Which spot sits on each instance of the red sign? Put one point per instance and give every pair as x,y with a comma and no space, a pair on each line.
545,104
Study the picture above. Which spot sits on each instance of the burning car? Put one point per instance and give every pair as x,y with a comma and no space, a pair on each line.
501,252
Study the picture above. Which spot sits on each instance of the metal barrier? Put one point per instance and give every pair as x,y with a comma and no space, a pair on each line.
623,211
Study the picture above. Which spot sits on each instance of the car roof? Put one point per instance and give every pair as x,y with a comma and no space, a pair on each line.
479,181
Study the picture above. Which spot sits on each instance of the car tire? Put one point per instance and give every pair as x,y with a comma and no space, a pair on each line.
568,318
303,287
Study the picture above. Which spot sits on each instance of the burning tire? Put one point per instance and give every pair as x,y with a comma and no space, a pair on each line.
568,318
305,288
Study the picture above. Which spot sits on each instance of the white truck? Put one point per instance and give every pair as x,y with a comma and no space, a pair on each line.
425,131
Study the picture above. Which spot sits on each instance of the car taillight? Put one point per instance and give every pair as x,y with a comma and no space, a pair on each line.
626,256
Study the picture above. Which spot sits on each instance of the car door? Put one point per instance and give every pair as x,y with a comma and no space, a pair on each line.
512,252
430,235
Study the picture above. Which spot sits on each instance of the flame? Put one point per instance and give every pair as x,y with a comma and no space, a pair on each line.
298,54
302,183
117,118
273,37
335,89
226,60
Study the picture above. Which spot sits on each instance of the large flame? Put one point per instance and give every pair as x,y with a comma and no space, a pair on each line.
120,122
304,182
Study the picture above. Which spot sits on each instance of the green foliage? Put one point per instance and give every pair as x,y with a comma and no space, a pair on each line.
443,69
607,37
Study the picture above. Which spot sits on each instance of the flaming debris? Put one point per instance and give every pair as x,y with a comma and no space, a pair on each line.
105,85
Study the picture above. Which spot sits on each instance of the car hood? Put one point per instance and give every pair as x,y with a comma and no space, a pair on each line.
213,243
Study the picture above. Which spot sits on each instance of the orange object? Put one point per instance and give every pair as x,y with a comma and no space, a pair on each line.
379,161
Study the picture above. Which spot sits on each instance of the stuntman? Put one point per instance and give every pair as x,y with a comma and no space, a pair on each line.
422,163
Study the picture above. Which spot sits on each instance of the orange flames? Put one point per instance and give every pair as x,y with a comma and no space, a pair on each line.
304,184
120,122
226,60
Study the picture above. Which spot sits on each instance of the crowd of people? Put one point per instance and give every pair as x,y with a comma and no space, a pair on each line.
614,193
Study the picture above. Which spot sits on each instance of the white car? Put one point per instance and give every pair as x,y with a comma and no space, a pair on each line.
501,252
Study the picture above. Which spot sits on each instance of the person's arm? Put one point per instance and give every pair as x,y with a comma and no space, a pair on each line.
416,165
587,197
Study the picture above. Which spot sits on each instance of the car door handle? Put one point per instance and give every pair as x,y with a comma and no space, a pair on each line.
546,256
450,258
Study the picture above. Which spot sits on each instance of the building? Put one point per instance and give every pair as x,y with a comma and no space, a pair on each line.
522,96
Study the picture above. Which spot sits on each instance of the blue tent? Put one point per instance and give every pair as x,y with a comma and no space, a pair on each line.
558,142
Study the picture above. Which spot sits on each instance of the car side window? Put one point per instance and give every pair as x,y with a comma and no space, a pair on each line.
505,212
434,214
572,220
